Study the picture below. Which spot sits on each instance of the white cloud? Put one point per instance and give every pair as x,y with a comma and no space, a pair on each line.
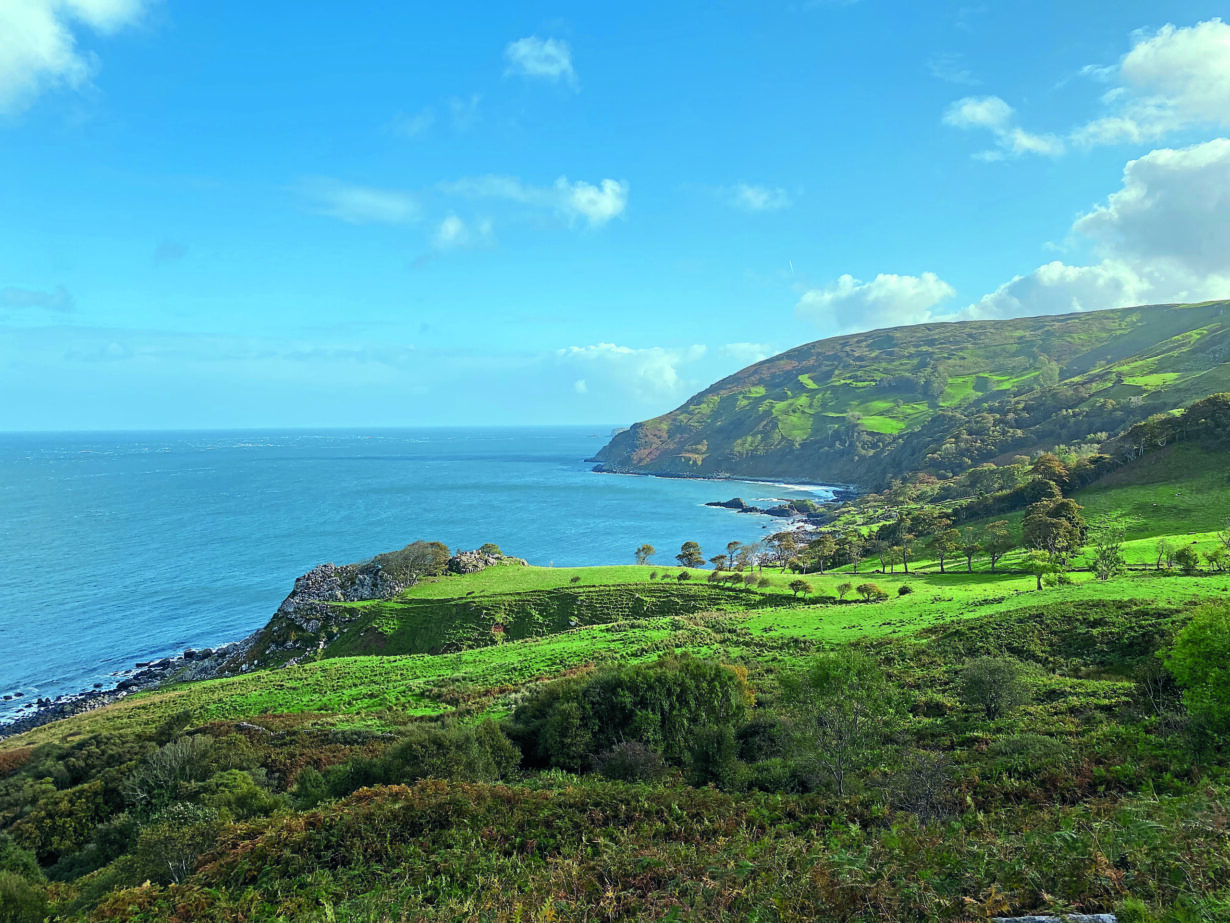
653,373
886,301
411,126
58,299
1171,80
573,201
359,204
1163,237
464,110
754,198
38,44
455,234
540,58
996,116
951,69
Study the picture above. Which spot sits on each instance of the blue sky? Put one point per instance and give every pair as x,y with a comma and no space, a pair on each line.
219,214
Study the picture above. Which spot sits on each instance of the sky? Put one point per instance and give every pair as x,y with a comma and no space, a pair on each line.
219,214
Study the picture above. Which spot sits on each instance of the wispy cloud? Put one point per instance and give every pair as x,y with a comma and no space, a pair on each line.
58,299
411,125
886,301
951,68
359,204
540,59
753,198
38,44
595,205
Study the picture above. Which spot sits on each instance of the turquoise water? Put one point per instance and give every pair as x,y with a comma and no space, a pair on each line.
123,547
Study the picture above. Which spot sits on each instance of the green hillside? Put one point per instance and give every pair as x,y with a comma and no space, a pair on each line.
938,397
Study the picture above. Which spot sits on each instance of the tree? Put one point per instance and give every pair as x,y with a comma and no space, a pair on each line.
851,548
783,546
907,550
732,549
1048,467
997,541
1056,527
644,553
1224,535
821,548
418,559
1041,564
870,591
894,557
843,589
799,586
842,711
719,562
878,548
1165,553
1218,560
1200,663
1107,533
943,544
1188,560
690,555
750,580
994,684
970,546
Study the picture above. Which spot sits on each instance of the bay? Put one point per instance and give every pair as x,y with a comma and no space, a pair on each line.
118,547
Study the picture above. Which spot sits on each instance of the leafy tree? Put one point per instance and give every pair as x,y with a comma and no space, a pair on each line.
690,555
994,684
1165,553
843,589
799,586
970,547
1188,560
851,549
169,848
894,557
1041,565
1048,467
943,544
644,553
842,711
416,560
1224,535
997,541
631,761
490,548
1200,663
1056,527
870,591
821,548
1107,533
1218,560
783,547
750,580
732,550
719,562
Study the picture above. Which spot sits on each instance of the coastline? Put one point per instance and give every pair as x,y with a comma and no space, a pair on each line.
191,665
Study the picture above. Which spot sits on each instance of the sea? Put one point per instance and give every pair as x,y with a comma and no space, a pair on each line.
125,547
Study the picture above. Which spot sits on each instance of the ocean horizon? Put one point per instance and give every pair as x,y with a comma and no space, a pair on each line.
118,547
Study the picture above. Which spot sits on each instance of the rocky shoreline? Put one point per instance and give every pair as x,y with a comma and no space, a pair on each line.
306,607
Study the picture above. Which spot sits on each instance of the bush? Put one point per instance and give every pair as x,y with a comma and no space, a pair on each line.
994,684
309,790
20,902
463,754
714,758
1200,663
240,794
1188,560
162,776
763,739
661,704
904,590
20,862
870,592
168,849
631,761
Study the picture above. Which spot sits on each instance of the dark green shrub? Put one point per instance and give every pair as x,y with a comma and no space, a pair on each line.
660,704
904,590
994,684
763,738
19,861
1200,663
1188,560
20,902
240,794
309,790
777,775
714,758
164,776
631,761
112,839
462,754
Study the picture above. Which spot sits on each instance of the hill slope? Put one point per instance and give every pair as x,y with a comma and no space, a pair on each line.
941,397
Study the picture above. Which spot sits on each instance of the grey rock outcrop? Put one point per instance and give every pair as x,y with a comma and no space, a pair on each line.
471,562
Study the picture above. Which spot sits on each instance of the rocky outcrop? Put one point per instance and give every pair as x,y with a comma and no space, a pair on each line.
347,583
471,562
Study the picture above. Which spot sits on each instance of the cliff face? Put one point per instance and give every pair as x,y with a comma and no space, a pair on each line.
867,407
